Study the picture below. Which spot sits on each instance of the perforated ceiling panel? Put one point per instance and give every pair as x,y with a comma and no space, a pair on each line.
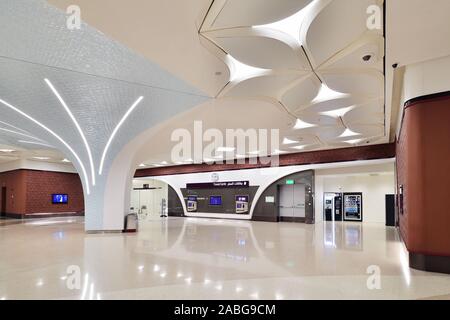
79,91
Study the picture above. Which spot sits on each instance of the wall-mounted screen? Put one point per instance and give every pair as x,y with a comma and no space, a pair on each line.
60,198
215,200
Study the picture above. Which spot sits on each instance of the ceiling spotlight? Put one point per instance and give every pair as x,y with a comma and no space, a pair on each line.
164,163
299,147
41,158
65,160
278,152
142,165
6,150
225,149
367,57
289,141
348,133
299,124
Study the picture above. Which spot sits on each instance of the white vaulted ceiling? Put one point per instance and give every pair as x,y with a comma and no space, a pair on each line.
294,54
264,64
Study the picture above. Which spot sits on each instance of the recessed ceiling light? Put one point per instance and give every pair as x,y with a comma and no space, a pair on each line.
41,158
354,141
240,71
36,143
289,141
255,153
277,152
299,147
299,124
326,94
225,149
65,160
348,133
240,156
164,163
338,113
7,150
142,165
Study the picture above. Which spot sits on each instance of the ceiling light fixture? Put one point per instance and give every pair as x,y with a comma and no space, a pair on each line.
83,169
299,124
41,158
348,133
65,160
326,94
278,152
77,125
7,150
240,71
299,147
290,25
125,116
142,165
14,127
338,113
36,143
289,141
19,133
354,141
225,149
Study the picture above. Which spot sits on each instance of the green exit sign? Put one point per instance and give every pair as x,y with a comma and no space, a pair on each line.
290,182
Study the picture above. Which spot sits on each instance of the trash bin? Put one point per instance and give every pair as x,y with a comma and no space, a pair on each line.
131,222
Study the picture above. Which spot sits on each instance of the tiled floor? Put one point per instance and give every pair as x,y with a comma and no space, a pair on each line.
185,258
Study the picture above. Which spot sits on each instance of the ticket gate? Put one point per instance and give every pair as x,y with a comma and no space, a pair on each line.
192,203
241,204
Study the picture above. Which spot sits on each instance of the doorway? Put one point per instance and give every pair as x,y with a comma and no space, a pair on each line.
3,202
292,203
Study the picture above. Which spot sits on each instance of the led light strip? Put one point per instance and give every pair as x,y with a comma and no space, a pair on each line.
125,116
37,143
14,127
19,133
77,125
56,136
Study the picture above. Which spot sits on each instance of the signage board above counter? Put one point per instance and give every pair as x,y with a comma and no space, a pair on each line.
225,184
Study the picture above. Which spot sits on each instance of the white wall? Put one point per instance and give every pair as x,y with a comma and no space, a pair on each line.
375,183
150,198
266,176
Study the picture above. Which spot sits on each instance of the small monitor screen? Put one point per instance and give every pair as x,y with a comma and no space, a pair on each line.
215,201
60,198
242,198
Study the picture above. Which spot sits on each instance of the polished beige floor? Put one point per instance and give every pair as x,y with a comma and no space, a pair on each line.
185,258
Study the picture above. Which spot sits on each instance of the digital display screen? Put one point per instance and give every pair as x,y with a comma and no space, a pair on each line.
60,198
215,201
192,198
242,198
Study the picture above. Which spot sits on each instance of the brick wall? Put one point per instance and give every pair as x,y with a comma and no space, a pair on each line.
30,191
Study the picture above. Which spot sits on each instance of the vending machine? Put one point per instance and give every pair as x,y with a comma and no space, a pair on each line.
241,204
353,207
192,203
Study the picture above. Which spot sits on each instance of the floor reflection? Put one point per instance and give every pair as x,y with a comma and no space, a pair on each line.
189,258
